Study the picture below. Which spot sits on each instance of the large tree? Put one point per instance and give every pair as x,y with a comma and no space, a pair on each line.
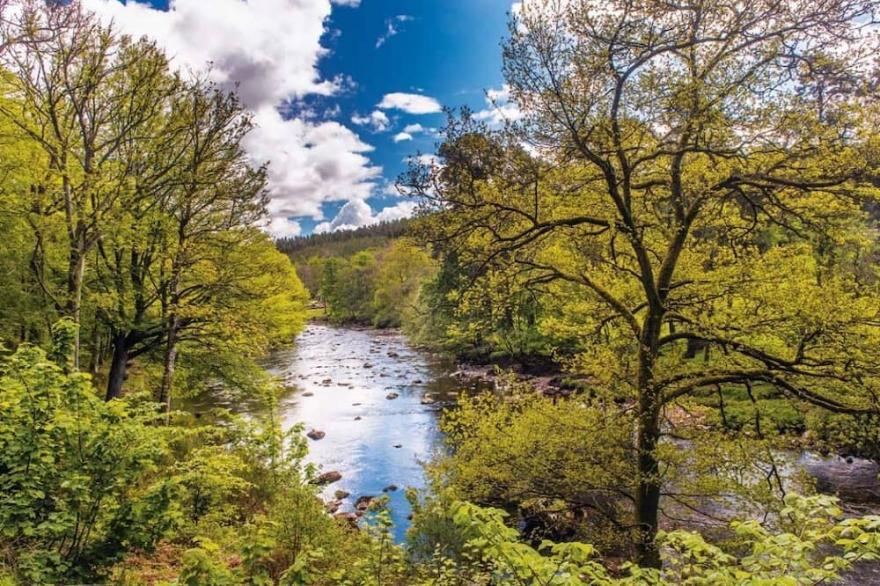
81,93
693,172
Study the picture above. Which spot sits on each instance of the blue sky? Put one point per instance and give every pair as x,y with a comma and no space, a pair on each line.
448,49
343,90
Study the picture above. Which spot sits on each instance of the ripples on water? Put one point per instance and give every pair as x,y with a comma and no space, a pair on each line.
339,378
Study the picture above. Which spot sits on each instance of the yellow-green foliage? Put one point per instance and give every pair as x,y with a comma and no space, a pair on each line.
87,483
376,286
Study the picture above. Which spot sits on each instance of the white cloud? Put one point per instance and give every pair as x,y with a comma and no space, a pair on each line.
402,136
377,119
311,164
269,50
357,213
429,160
410,103
414,128
283,228
270,47
499,108
392,27
404,209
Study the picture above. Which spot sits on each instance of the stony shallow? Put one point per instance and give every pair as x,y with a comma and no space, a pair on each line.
341,380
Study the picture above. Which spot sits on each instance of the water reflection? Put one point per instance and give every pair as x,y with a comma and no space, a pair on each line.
340,381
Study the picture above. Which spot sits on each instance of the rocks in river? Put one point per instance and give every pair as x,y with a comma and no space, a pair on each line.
328,478
418,381
428,400
390,488
358,418
368,365
333,506
363,503
391,396
308,394
398,446
355,404
341,494
393,354
316,434
327,381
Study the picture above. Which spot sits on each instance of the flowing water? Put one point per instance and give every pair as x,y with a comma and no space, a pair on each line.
365,390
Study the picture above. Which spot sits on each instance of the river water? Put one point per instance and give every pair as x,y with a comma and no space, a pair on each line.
365,389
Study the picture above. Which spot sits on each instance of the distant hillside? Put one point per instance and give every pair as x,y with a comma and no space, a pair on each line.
342,243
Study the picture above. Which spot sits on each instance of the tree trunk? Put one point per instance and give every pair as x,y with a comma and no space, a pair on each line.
648,435
648,490
118,365
169,364
97,350
75,270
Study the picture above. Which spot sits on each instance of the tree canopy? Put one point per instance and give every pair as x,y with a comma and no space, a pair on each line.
696,173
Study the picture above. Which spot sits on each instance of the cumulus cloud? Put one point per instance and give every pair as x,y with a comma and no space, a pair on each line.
392,27
357,213
411,130
500,109
410,103
311,163
428,160
283,228
270,47
268,50
377,119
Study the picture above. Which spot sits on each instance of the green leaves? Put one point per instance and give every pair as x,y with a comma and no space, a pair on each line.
69,464
783,558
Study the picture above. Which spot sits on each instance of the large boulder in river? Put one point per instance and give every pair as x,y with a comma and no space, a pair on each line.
328,478
391,396
316,434
363,503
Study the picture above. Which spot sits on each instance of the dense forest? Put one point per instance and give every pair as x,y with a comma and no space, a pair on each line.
679,230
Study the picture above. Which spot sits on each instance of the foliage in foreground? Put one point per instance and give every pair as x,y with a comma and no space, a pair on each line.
93,490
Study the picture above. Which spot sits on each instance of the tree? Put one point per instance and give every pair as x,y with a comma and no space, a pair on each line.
403,268
81,93
677,176
214,195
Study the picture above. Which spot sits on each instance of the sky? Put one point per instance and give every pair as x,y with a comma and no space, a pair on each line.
342,92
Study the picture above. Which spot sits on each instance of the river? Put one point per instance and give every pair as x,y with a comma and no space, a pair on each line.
365,390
